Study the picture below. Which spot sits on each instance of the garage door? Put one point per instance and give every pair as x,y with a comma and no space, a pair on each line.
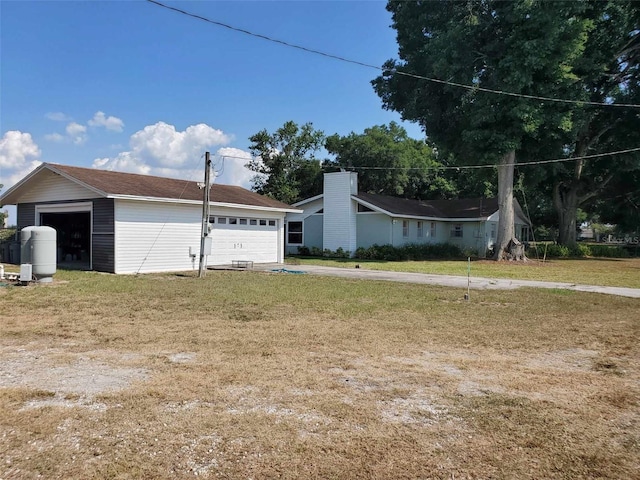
254,239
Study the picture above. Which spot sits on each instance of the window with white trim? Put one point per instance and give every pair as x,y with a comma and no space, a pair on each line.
456,230
420,229
405,228
294,233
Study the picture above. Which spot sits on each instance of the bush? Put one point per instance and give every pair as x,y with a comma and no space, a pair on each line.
581,250
553,250
611,251
411,251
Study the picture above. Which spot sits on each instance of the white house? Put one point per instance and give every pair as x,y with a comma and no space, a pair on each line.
344,218
127,223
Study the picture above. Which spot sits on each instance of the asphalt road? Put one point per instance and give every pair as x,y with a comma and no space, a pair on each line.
478,283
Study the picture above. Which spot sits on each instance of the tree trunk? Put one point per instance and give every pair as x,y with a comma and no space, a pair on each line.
506,229
565,201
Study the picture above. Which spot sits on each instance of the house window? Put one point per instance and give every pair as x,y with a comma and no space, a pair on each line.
456,230
420,229
272,223
432,232
263,222
243,221
233,221
294,233
405,228
493,230
253,221
222,220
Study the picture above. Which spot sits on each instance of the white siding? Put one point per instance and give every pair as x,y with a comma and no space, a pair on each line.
156,237
49,186
340,211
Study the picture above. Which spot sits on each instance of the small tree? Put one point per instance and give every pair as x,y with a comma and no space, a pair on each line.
285,162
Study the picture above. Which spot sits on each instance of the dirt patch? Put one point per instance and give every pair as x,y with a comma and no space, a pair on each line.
65,374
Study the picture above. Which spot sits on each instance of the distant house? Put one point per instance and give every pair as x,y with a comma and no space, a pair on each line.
127,223
342,217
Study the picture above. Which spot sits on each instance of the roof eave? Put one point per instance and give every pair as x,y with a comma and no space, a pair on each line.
5,198
199,202
308,200
75,180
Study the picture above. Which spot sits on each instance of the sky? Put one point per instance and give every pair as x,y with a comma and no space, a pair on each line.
131,86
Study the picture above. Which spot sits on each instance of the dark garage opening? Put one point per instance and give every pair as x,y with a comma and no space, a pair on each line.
73,238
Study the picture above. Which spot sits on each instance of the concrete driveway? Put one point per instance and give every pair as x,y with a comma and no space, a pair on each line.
478,283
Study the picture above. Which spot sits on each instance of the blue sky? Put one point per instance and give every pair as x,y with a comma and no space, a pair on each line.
131,86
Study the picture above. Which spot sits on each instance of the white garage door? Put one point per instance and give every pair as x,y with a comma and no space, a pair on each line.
254,239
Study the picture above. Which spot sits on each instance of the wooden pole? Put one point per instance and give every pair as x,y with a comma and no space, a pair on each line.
205,213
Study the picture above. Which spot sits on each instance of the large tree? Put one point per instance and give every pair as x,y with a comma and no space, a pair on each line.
527,48
606,71
285,162
389,162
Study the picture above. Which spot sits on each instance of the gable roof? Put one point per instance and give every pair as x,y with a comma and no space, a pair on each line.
464,208
130,185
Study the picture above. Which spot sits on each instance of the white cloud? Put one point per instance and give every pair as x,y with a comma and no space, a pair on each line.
55,137
110,123
17,149
19,155
160,149
76,132
231,167
57,117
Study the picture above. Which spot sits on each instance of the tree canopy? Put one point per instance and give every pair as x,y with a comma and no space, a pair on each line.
285,162
583,51
389,162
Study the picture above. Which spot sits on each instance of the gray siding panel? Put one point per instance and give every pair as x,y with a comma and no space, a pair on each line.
103,235
102,252
103,215
26,213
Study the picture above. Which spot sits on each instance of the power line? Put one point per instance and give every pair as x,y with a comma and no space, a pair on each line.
397,72
492,165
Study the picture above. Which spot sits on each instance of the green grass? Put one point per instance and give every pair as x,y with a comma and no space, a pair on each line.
606,272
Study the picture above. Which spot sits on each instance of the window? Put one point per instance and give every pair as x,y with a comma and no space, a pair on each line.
253,221
405,228
432,233
272,223
233,221
222,220
456,230
243,221
263,222
294,233
420,229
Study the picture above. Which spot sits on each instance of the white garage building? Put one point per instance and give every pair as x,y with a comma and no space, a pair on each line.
126,223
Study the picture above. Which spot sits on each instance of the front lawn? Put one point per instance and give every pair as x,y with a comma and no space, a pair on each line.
265,375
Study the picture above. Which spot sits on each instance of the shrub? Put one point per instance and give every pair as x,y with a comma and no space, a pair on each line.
554,250
411,251
580,250
611,251
304,251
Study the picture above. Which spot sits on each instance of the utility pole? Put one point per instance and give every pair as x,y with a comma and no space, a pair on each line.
205,214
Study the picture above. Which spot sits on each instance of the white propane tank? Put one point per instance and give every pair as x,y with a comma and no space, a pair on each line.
38,247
